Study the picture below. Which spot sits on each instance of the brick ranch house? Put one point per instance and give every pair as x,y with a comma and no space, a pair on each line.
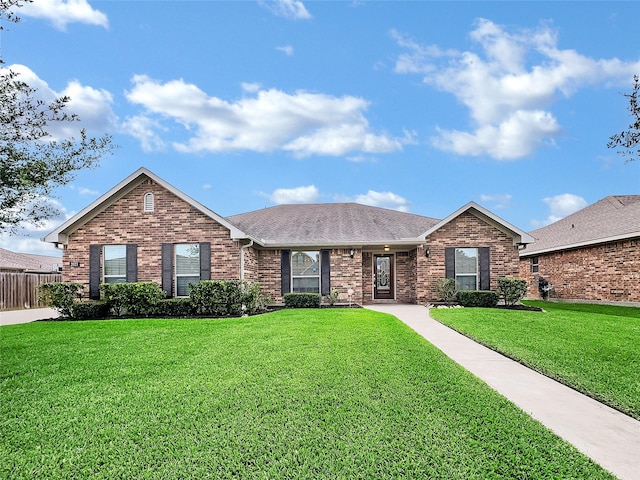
592,255
144,229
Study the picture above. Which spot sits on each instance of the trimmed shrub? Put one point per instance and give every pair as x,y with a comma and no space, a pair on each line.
221,298
446,289
138,298
254,300
173,307
61,296
477,298
90,310
511,290
302,300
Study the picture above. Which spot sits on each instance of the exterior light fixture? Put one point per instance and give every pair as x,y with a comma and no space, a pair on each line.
352,253
427,252
386,248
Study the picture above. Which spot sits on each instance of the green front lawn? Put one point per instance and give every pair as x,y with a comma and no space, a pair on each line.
592,348
292,394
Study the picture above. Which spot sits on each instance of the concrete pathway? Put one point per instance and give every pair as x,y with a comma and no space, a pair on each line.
13,317
607,436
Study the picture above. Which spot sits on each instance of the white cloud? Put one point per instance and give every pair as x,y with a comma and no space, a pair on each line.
92,106
508,96
561,206
286,49
281,196
144,129
251,87
292,9
383,199
63,12
501,200
27,237
302,123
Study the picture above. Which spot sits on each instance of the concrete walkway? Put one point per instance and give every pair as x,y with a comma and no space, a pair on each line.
607,436
13,317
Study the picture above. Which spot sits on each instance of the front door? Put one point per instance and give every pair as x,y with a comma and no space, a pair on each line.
384,279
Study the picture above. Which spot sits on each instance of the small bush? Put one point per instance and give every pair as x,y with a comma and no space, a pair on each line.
511,290
61,296
138,298
90,310
446,289
477,298
333,296
302,300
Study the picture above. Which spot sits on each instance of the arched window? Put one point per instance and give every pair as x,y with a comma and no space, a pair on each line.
148,202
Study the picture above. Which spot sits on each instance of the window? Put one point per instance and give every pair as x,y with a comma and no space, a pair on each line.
305,272
148,202
187,262
534,264
466,265
115,263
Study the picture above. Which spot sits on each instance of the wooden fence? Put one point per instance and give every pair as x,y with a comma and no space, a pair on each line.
20,290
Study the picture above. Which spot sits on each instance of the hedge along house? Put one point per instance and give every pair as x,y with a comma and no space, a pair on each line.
144,229
591,255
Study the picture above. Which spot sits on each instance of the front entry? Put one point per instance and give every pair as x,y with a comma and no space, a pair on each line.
384,278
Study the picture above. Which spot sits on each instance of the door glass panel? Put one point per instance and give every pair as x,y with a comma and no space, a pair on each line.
383,273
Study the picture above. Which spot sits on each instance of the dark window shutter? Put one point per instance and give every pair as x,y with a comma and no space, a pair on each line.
325,272
450,262
167,268
205,261
94,271
485,268
132,262
285,271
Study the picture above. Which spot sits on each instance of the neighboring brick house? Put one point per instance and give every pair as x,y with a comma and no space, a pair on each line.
144,229
592,255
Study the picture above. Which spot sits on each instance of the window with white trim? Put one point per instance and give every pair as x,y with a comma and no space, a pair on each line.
305,272
187,267
467,268
535,265
148,202
114,264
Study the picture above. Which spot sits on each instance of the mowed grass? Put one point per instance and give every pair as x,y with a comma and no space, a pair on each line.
592,348
292,394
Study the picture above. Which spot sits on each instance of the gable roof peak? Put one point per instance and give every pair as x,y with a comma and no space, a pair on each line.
61,234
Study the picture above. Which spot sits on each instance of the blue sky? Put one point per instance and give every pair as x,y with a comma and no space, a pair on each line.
416,106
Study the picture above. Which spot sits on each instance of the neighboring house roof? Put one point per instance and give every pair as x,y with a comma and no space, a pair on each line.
60,235
331,224
610,219
24,262
519,236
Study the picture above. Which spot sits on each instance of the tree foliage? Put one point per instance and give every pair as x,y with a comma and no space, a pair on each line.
628,141
32,162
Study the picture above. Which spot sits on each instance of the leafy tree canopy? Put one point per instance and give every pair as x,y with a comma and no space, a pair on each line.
32,162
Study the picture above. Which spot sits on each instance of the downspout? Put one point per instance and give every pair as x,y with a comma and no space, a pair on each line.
242,249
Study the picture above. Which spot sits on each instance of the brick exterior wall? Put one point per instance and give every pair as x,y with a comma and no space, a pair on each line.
608,272
176,221
172,221
269,276
346,273
405,277
468,231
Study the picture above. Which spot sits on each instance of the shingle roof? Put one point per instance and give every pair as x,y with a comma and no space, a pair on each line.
612,218
28,263
331,224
